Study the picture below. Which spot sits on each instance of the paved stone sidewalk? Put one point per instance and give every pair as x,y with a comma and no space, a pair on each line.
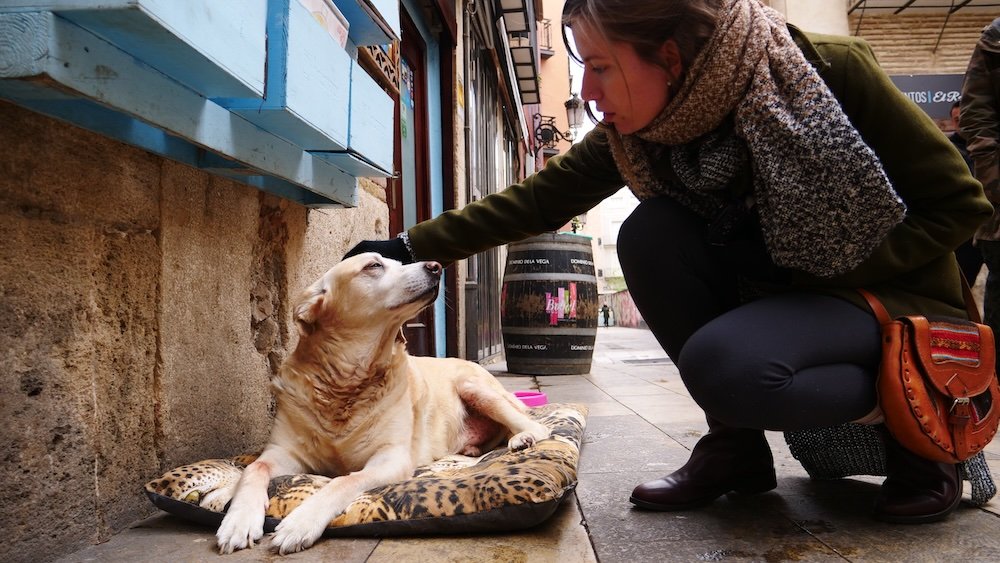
641,425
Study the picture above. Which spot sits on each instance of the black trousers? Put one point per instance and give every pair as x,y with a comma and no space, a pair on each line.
785,362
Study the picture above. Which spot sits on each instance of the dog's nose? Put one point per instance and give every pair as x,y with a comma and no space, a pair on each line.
433,267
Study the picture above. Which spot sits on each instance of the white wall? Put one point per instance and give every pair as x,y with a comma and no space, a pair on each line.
820,16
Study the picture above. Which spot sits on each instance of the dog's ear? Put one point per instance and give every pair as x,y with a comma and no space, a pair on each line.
308,310
400,337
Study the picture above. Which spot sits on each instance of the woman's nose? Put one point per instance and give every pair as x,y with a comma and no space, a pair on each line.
588,89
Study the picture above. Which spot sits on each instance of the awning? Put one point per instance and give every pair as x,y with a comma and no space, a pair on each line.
515,82
518,16
522,55
519,23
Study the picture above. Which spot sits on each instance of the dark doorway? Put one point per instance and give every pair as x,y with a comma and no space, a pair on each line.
409,191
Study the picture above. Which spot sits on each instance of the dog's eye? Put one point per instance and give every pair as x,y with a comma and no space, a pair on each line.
374,266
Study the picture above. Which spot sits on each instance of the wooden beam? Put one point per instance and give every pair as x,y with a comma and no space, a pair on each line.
959,7
903,7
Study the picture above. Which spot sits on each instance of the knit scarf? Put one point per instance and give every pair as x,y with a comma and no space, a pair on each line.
750,98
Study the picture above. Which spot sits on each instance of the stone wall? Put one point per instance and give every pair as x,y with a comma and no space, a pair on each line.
144,305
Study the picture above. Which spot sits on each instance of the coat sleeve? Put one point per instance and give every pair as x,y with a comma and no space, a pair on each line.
980,121
945,204
568,185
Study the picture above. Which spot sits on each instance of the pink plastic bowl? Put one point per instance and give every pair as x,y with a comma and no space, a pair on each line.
532,398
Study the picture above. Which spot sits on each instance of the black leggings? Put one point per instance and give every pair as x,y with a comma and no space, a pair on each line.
785,362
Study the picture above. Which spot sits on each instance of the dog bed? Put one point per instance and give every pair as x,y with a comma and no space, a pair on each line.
499,491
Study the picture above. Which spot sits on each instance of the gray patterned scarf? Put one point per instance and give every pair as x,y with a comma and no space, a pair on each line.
751,98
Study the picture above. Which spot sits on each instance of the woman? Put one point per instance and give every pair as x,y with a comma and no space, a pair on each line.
776,173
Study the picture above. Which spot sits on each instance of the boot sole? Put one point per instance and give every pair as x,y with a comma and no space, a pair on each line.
672,507
704,501
922,518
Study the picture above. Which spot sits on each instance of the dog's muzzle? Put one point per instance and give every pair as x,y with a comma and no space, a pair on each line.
434,268
434,271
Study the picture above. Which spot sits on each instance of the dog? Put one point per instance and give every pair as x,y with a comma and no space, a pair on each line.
353,405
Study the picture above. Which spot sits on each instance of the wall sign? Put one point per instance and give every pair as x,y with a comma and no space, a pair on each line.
934,93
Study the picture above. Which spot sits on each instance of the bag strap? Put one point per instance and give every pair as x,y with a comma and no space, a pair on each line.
883,316
970,302
880,313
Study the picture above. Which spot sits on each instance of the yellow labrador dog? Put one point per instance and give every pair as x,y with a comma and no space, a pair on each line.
353,405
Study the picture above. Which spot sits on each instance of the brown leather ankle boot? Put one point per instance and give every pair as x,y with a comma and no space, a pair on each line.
917,490
724,460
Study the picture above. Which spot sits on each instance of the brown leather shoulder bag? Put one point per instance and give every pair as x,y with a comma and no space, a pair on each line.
937,382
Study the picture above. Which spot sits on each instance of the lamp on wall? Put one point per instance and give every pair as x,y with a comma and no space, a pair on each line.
574,112
546,132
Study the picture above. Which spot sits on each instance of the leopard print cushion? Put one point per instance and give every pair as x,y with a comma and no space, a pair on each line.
498,491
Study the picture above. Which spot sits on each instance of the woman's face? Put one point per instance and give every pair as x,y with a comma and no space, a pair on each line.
629,91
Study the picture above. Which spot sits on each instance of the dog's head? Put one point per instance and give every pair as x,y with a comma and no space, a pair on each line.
367,291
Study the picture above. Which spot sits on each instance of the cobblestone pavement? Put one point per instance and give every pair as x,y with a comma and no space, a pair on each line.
641,425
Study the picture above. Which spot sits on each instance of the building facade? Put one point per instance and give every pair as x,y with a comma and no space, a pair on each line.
161,219
162,210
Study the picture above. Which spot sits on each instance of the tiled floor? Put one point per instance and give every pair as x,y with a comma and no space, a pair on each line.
641,425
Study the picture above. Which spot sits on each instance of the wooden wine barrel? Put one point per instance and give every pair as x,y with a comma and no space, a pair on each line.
548,305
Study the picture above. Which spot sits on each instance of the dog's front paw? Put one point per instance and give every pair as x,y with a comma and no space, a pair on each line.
240,529
534,434
300,529
521,441
527,438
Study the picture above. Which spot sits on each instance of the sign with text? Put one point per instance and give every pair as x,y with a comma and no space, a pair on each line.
934,93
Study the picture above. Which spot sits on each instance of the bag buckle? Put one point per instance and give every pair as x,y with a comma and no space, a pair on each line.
958,401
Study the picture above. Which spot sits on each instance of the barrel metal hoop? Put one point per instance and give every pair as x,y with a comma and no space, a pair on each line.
557,331
550,361
563,277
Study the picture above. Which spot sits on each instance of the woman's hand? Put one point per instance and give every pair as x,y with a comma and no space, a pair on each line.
392,248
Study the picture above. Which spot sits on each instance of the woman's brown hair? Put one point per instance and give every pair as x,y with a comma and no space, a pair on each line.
646,24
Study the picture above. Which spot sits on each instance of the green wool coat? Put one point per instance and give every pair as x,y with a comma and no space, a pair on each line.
913,270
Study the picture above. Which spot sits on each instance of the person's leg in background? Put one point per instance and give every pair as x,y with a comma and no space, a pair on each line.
970,260
990,250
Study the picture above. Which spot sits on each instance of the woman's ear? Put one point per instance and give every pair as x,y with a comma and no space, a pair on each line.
670,54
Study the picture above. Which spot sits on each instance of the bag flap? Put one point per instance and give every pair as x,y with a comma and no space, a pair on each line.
957,355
